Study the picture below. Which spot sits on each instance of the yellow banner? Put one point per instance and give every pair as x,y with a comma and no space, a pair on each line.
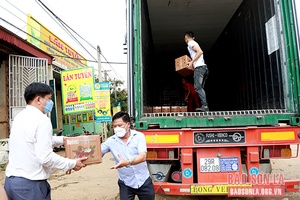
42,38
102,102
116,109
214,189
78,90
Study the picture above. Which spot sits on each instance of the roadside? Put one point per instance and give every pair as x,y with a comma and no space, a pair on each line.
98,182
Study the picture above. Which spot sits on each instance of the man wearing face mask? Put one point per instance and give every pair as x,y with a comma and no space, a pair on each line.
129,150
31,157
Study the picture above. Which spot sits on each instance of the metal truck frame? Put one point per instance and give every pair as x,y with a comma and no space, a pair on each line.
225,151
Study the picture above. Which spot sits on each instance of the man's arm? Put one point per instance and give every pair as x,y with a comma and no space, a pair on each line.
125,163
198,51
187,93
137,160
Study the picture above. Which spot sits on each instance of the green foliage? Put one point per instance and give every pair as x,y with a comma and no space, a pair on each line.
118,95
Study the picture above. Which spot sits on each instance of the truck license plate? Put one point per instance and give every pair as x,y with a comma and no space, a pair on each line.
209,164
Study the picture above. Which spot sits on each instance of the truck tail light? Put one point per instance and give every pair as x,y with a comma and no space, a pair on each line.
162,153
176,176
277,152
151,154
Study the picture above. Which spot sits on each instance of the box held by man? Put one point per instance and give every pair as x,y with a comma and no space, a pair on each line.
84,146
181,66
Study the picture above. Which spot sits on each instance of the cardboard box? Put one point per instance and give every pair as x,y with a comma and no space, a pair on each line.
175,108
181,65
165,109
84,146
148,109
183,108
156,109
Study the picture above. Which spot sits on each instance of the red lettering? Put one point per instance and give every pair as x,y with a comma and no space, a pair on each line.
253,179
236,178
68,77
50,38
266,178
72,54
259,179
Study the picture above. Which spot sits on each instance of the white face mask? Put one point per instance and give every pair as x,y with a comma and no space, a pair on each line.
120,132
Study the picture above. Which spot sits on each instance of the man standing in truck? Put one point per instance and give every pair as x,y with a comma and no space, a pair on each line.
200,68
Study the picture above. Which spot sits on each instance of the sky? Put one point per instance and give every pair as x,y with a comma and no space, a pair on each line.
100,22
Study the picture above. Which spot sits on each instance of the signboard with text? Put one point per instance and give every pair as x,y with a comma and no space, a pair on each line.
78,90
42,38
102,102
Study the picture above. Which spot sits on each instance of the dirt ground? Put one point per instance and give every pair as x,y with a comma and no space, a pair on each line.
98,182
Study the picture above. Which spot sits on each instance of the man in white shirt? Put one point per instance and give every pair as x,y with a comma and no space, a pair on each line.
200,68
31,157
129,150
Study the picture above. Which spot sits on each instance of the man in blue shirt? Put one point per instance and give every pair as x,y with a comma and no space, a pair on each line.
129,150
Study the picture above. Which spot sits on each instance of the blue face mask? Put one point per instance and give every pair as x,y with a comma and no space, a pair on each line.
48,107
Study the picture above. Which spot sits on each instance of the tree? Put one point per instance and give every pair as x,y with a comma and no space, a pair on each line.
118,95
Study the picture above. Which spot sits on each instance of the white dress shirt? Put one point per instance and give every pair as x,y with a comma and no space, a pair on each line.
30,147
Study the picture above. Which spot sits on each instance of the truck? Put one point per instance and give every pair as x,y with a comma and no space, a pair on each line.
251,48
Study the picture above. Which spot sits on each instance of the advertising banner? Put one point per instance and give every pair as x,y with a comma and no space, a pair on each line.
44,39
102,102
78,90
117,108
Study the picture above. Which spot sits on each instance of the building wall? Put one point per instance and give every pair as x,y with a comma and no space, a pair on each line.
4,125
59,110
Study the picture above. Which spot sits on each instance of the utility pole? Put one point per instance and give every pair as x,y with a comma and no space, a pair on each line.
115,87
103,124
99,64
105,74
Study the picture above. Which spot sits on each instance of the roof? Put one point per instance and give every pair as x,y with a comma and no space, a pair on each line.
15,44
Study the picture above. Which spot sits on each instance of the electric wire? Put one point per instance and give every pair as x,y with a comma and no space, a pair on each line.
109,63
21,29
51,46
63,23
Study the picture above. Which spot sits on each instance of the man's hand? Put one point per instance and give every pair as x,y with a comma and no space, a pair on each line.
78,165
121,163
190,65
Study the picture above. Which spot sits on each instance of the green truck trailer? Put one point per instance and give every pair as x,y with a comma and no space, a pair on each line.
251,48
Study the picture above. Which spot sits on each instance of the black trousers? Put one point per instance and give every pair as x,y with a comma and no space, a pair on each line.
145,192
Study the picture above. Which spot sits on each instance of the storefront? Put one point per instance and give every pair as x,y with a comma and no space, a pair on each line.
21,63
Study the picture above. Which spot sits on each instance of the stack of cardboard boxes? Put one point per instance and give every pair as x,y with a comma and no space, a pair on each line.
165,109
181,68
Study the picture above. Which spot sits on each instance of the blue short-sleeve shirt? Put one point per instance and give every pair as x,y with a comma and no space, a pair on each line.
135,175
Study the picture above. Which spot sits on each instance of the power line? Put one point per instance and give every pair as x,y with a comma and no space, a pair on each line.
65,27
60,24
34,36
63,24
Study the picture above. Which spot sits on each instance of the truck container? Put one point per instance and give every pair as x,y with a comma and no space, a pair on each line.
251,48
